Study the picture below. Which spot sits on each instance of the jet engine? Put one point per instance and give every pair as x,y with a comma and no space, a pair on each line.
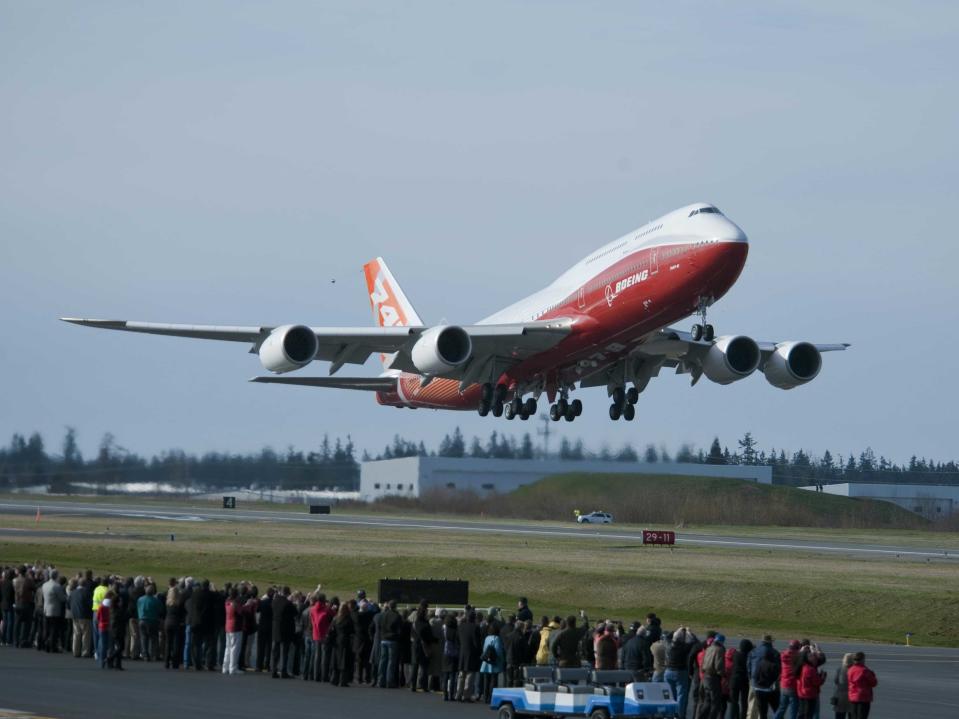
731,358
792,364
440,349
288,348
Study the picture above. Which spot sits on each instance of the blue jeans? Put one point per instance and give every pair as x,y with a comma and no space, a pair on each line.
187,646
657,677
307,655
103,648
787,700
678,680
8,622
388,657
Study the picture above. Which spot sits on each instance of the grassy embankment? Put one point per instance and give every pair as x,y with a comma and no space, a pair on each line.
738,590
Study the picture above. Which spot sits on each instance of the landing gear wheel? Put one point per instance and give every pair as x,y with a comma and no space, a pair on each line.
517,405
499,394
509,411
483,408
563,406
530,407
497,409
629,412
614,412
577,407
697,332
486,393
554,413
619,396
708,333
523,414
570,415
632,395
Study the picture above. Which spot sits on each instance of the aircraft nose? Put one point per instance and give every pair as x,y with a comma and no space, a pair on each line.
731,232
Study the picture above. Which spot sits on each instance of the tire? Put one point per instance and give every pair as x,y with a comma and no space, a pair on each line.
531,407
499,393
570,415
629,412
554,413
619,396
483,409
577,407
523,414
563,406
497,409
508,411
506,711
486,393
697,332
614,412
709,333
517,405
632,395
583,520
599,713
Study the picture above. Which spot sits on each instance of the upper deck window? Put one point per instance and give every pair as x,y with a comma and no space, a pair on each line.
705,210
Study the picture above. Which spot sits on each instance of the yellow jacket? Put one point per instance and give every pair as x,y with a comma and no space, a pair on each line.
98,594
542,652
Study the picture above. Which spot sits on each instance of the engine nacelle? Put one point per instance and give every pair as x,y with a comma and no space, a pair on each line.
440,349
288,348
731,358
792,364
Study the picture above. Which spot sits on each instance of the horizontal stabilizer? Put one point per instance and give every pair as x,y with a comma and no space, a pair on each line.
370,384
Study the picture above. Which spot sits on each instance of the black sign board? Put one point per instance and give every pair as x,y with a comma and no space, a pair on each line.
319,509
443,592
229,503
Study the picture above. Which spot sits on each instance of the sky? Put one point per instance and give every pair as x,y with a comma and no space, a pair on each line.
237,163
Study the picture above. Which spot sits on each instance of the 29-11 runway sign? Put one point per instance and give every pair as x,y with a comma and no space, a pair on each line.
651,536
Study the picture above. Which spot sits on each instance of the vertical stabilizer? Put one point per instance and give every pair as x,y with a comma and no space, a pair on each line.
391,308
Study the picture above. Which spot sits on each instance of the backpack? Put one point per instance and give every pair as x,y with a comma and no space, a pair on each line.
767,671
490,654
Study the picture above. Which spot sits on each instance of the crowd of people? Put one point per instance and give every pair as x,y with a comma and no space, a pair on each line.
189,624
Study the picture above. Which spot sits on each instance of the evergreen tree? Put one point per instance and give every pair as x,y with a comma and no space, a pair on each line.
476,450
627,454
747,449
526,448
715,453
651,455
71,453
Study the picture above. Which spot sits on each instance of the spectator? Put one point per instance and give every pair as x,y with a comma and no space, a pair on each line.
390,626
606,648
7,607
714,672
470,641
103,628
493,657
677,662
739,681
808,682
451,653
543,654
790,666
422,640
81,607
523,612
284,627
233,625
149,609
119,618
264,635
321,617
343,630
23,591
658,650
565,644
861,680
54,602
362,636
764,665
517,655
173,626
840,697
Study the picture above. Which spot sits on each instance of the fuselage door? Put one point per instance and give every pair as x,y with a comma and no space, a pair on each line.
581,300
654,261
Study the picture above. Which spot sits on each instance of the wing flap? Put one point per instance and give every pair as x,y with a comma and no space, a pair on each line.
369,384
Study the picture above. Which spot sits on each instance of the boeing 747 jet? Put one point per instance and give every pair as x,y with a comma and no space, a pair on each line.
605,322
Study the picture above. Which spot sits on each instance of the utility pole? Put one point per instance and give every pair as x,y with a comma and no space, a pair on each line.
544,433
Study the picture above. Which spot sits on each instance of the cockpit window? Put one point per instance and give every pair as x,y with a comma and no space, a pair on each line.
705,210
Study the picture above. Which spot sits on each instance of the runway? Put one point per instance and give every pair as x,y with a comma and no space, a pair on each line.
173,513
912,682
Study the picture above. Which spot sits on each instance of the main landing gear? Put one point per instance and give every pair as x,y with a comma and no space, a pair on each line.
703,331
493,400
564,409
624,404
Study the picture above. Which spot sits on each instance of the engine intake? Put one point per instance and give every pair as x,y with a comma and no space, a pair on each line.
731,358
440,349
288,348
792,364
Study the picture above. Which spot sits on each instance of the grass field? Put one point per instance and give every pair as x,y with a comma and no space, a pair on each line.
786,593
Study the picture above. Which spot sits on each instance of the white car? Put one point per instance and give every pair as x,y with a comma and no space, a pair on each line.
595,518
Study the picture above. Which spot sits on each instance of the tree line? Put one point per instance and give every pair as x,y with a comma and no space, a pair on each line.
26,462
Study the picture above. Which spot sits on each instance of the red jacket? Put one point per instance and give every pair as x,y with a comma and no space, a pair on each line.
861,681
787,676
234,620
103,617
321,616
728,661
810,679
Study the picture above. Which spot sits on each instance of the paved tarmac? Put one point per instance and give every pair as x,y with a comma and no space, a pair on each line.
188,514
913,682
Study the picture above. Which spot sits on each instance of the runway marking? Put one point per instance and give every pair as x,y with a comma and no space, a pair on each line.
175,515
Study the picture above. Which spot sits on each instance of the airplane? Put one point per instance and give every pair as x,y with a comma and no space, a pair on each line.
605,322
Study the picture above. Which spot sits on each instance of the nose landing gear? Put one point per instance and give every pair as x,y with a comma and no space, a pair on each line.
703,331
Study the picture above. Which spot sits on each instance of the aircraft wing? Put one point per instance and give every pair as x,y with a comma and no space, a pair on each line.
502,344
675,349
369,384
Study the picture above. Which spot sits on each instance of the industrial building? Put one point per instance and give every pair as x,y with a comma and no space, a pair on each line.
411,476
933,501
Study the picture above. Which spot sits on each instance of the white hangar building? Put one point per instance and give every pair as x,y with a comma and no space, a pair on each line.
410,476
933,501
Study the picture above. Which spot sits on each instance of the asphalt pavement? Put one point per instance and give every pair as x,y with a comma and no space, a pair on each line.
189,514
913,682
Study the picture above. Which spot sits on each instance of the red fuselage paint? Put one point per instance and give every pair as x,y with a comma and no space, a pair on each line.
612,313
